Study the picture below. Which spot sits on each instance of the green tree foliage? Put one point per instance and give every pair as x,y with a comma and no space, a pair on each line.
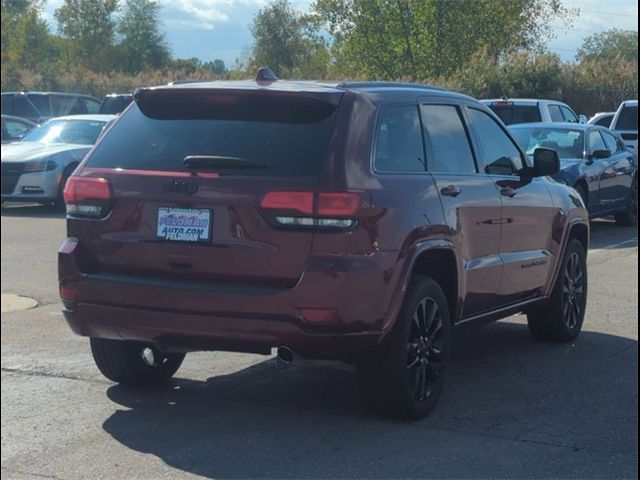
288,42
142,46
419,39
217,66
610,45
90,27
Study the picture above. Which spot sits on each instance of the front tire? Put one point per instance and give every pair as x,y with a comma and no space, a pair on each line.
406,377
134,364
560,319
629,218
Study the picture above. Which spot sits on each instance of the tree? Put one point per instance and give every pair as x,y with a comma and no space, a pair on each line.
288,42
610,45
142,45
90,25
217,66
420,39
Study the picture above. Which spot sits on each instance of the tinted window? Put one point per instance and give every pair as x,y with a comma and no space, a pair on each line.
596,142
447,139
80,132
568,143
512,114
399,141
498,152
115,105
285,149
569,116
612,142
41,102
7,104
556,113
61,104
628,119
23,108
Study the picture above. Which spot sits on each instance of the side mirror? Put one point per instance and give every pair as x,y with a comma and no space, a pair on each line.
546,162
601,154
583,119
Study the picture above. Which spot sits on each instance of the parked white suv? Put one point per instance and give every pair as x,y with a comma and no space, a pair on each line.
527,110
625,123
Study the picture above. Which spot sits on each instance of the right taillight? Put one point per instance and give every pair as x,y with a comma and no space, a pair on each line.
87,196
318,210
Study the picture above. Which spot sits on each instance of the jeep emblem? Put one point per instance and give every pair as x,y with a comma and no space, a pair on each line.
188,188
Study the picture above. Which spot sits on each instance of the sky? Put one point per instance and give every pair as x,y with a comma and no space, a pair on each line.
210,29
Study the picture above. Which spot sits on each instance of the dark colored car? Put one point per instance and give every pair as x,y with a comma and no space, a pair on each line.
356,222
594,160
115,103
14,128
40,106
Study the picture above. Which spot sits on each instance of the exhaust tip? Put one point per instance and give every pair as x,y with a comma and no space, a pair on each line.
285,354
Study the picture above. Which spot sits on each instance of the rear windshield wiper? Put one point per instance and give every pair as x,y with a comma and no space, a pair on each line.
206,162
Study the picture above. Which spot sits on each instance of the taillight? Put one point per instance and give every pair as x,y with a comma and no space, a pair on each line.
87,196
327,210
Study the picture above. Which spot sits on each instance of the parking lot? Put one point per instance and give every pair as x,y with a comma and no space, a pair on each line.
514,408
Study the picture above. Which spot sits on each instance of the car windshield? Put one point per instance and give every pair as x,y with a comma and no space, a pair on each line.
80,132
568,143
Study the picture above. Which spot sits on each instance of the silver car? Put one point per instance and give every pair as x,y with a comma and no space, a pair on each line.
36,168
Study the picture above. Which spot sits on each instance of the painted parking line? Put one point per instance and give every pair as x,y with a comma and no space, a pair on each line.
616,245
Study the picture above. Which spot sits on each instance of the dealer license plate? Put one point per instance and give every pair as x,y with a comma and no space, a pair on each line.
184,224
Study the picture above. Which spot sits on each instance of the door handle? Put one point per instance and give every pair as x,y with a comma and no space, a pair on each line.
508,192
451,191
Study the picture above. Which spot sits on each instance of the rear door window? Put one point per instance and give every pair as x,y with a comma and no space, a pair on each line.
41,102
512,114
447,140
90,105
62,104
276,148
7,104
556,113
399,145
499,153
22,107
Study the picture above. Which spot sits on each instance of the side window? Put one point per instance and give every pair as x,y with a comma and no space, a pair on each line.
569,116
596,142
16,130
90,105
499,153
605,121
556,113
78,107
612,142
447,137
41,102
399,141
62,104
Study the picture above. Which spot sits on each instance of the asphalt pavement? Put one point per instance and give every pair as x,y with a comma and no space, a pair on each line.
513,408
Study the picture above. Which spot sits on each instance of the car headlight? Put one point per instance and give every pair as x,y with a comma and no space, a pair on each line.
41,165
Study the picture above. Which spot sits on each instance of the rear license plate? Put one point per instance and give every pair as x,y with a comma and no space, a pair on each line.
184,224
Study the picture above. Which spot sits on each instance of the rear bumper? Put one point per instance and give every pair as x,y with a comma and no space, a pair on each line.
190,315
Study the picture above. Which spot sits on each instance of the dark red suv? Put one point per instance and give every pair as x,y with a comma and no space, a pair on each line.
356,222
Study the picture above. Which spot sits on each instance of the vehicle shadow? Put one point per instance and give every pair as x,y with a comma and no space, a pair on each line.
32,210
513,408
606,234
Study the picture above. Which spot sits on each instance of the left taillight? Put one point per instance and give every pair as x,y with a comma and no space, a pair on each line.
87,196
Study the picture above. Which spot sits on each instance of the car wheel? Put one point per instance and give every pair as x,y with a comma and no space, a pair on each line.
59,202
134,363
629,217
582,191
405,378
560,319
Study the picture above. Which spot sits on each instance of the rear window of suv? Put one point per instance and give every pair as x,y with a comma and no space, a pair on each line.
628,119
281,148
511,114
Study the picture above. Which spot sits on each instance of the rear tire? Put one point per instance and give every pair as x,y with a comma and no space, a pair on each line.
134,363
629,218
59,202
406,377
560,319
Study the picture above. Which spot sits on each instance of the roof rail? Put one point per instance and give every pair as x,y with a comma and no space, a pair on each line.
265,74
361,84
